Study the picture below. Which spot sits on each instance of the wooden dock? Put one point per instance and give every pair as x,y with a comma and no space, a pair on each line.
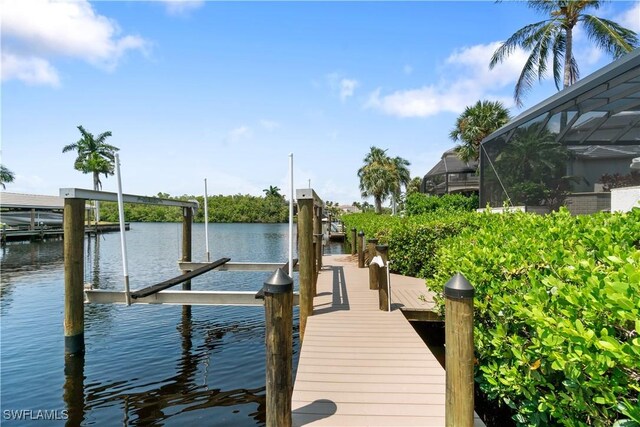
360,366
53,232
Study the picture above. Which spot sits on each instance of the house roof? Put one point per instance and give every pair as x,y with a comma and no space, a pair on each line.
451,163
30,201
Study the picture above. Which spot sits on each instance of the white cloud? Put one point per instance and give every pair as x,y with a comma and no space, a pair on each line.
239,134
43,29
341,86
631,18
30,70
347,88
181,7
473,80
269,124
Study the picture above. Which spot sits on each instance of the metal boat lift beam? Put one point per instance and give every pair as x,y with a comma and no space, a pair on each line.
239,266
171,297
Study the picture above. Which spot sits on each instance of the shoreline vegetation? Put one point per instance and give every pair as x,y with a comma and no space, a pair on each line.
242,208
557,303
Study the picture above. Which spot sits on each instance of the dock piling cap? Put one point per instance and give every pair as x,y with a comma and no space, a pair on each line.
278,283
458,287
361,233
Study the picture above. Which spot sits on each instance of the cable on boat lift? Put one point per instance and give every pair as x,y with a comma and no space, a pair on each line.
206,223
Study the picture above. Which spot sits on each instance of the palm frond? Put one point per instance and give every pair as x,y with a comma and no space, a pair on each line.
559,47
512,43
609,36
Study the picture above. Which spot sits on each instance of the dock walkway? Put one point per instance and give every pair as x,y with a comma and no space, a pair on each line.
360,366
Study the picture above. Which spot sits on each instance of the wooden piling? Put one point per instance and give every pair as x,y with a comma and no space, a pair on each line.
458,294
315,264
305,200
373,275
187,222
317,231
354,243
371,250
361,249
318,257
278,308
383,282
73,225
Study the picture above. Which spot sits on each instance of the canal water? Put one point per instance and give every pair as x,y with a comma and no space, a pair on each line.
149,365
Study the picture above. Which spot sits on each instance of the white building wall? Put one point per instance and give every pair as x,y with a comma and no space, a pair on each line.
624,199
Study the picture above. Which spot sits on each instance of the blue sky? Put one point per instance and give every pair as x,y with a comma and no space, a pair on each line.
225,91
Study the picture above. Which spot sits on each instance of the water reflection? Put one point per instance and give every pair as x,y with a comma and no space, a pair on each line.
73,393
20,258
20,261
145,364
153,403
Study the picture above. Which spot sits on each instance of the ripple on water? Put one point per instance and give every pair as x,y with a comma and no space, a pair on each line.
144,365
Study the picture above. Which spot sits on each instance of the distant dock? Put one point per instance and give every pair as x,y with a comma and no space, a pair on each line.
14,235
36,217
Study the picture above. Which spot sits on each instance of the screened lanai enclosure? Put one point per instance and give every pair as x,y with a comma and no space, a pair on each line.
570,149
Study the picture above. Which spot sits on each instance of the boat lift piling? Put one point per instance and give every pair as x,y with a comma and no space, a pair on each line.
276,295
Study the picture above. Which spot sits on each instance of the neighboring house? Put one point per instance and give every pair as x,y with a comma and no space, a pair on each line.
451,175
571,148
30,211
349,209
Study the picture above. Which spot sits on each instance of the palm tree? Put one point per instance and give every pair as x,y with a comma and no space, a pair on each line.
6,176
376,176
532,166
554,36
414,185
94,156
381,176
474,124
272,192
403,178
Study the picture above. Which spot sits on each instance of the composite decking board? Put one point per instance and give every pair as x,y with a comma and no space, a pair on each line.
368,370
361,366
326,388
373,409
370,421
364,397
372,363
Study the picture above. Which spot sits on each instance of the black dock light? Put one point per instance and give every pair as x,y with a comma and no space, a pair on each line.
278,283
458,287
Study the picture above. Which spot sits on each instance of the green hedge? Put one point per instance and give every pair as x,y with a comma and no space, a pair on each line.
557,312
419,203
413,241
557,307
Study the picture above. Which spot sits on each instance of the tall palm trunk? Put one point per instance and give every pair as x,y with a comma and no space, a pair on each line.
378,202
568,58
